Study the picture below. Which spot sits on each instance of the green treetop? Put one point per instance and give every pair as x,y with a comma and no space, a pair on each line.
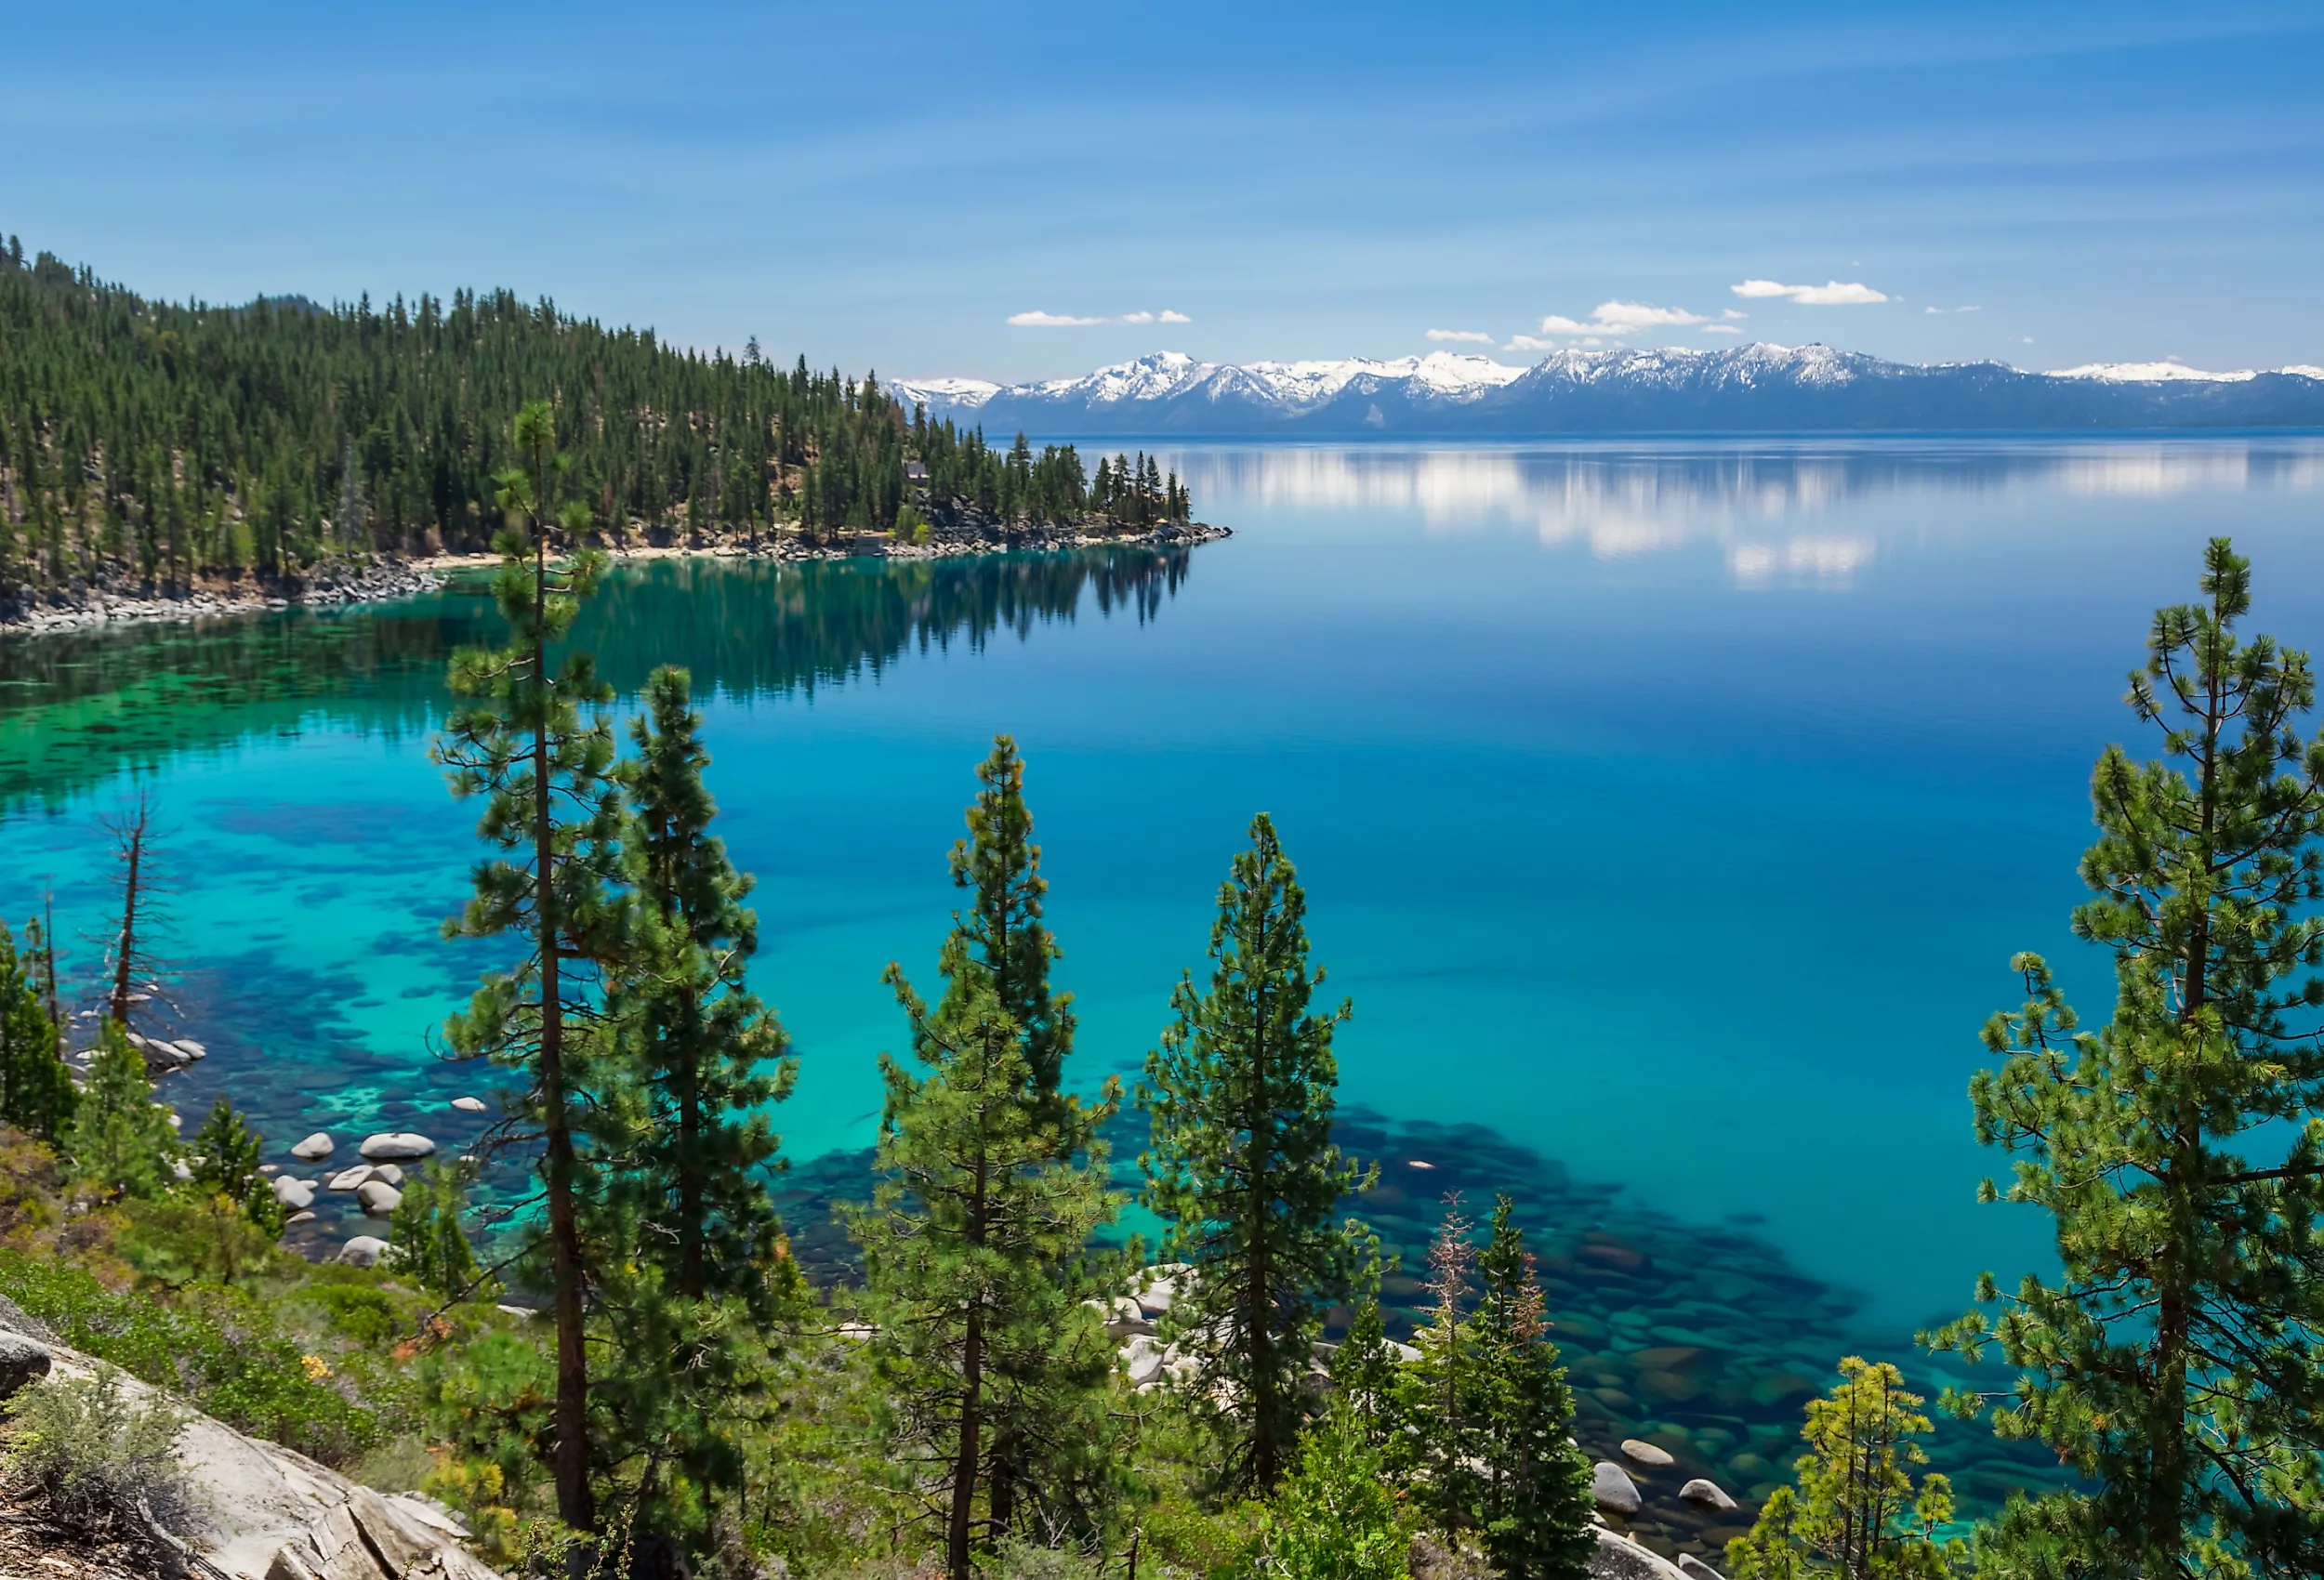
1242,1165
1534,1505
1003,939
224,1162
520,739
120,1140
426,1240
35,1085
2173,1362
1856,1514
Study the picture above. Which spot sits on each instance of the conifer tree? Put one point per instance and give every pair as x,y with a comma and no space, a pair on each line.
975,1243
2173,1363
1003,939
425,1238
711,1056
553,810
1534,1501
1363,1371
1856,1513
119,1139
1439,1394
698,1276
36,1093
224,1162
1241,1163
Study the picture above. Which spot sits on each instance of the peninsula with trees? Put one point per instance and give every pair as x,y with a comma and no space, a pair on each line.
158,457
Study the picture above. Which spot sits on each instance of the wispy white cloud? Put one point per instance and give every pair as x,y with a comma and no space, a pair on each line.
1833,293
1608,320
1068,321
1472,337
1720,329
1618,317
1971,308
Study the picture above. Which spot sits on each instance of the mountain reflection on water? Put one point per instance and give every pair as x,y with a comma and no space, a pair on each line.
77,706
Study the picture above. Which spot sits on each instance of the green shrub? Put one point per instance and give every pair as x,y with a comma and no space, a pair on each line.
220,1348
103,1459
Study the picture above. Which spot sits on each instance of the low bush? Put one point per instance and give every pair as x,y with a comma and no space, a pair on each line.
104,1460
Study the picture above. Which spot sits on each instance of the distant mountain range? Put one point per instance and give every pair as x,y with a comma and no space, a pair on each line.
1746,388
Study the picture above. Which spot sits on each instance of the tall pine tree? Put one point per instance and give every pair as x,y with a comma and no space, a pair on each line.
1534,1505
2173,1361
520,739
1242,1166
976,1242
224,1162
697,1277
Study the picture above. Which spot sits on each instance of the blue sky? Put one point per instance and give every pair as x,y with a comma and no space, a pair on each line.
889,185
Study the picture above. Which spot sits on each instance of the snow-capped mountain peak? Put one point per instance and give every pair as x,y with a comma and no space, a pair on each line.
1759,387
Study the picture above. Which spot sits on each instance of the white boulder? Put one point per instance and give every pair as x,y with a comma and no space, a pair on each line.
469,1105
315,1149
296,1195
1613,1490
396,1146
348,1179
378,1199
363,1251
1646,1454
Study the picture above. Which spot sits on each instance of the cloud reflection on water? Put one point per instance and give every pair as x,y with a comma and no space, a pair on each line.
1748,498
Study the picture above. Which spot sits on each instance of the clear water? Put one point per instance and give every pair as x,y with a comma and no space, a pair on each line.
1669,811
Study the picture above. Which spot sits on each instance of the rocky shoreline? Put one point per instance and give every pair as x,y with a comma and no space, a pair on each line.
85,606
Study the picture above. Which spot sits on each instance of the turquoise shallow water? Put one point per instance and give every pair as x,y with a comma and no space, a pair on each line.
1669,811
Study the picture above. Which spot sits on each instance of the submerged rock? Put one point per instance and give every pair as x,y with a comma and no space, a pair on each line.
1695,1569
1707,1494
1613,1490
396,1146
1646,1454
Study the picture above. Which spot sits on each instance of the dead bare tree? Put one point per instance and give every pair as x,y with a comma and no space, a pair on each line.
131,958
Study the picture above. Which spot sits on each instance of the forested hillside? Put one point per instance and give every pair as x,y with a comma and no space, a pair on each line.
158,442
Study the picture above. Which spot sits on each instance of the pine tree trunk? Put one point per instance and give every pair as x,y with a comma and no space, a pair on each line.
959,1544
574,1506
120,1008
690,1164
1265,1453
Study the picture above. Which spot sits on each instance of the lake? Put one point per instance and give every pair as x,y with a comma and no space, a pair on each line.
1669,811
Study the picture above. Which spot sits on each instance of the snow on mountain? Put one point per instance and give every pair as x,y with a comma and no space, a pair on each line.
1756,386
2149,373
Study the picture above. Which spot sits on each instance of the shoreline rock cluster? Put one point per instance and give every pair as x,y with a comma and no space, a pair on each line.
85,606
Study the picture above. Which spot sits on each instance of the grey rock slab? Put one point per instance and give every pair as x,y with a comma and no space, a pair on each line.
22,1362
1614,1491
1695,1569
389,1174
315,1149
1707,1494
348,1179
1646,1454
378,1199
396,1146
1618,1558
363,1251
296,1195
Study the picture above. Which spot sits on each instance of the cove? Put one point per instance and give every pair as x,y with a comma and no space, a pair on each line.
1669,811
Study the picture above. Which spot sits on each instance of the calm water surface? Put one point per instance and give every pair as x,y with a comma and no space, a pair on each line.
1669,811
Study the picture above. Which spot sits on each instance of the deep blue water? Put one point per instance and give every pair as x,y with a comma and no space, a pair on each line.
1670,809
